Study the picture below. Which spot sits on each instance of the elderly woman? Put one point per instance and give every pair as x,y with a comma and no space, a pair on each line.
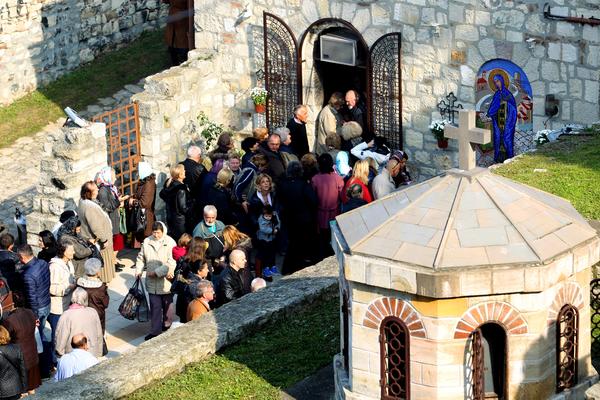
96,228
205,293
145,198
177,198
62,283
328,185
22,323
156,257
79,318
211,230
111,202
96,289
71,230
13,374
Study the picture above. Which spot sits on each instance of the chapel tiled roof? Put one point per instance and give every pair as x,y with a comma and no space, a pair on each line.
465,219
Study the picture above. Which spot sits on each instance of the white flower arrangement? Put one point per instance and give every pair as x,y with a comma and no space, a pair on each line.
437,128
258,95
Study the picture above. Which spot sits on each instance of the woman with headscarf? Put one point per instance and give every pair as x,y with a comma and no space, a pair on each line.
111,202
503,112
189,272
71,230
156,258
145,198
97,291
96,228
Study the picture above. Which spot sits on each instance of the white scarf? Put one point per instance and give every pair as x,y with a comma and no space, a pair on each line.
263,200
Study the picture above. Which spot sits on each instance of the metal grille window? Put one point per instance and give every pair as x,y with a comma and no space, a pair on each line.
282,76
567,325
123,138
386,89
395,364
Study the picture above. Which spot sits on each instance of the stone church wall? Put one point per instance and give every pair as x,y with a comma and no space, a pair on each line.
41,40
444,43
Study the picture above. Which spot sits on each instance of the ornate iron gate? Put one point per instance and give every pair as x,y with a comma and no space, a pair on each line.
282,72
478,365
567,326
595,311
386,89
123,139
395,363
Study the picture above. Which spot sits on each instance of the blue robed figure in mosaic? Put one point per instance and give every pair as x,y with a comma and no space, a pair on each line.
503,112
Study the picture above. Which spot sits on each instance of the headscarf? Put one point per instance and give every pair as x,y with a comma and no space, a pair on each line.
68,227
217,166
104,177
144,170
342,166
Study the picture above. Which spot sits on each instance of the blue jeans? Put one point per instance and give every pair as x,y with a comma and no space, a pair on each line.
42,315
53,320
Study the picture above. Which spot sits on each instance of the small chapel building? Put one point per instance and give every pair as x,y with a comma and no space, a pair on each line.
466,286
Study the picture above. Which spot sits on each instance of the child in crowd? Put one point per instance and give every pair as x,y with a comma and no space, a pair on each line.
182,246
268,226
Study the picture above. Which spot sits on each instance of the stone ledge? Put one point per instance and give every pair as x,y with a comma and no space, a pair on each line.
172,351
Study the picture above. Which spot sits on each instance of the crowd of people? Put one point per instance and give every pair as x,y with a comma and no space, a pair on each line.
234,219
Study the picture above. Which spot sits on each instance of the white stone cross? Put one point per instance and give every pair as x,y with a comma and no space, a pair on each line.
467,134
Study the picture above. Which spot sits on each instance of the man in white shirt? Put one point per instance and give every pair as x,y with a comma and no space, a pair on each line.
78,360
383,184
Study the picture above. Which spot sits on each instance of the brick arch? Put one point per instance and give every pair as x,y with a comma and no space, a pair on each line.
388,307
569,293
491,311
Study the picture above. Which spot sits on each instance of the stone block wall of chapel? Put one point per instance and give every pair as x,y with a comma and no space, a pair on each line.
444,43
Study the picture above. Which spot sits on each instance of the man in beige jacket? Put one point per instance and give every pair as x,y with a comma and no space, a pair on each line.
329,121
156,257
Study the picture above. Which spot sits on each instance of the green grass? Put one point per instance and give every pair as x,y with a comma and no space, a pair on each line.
573,171
103,77
256,368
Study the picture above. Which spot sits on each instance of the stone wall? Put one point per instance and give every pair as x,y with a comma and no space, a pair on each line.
169,108
71,156
197,340
41,40
443,45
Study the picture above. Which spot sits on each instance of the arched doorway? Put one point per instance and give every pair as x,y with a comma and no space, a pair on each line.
293,77
487,363
320,78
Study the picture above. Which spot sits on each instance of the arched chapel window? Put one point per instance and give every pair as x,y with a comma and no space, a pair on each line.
567,341
395,364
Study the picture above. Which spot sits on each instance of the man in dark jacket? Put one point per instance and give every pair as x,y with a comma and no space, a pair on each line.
10,264
275,165
231,286
194,175
297,127
36,280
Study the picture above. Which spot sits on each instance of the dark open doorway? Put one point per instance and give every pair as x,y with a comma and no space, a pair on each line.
495,358
338,77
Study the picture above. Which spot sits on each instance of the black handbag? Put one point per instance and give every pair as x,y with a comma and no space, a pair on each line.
137,219
130,305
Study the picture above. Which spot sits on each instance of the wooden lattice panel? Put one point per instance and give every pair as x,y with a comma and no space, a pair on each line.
123,139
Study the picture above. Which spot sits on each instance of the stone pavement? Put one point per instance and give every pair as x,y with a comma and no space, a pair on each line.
20,162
